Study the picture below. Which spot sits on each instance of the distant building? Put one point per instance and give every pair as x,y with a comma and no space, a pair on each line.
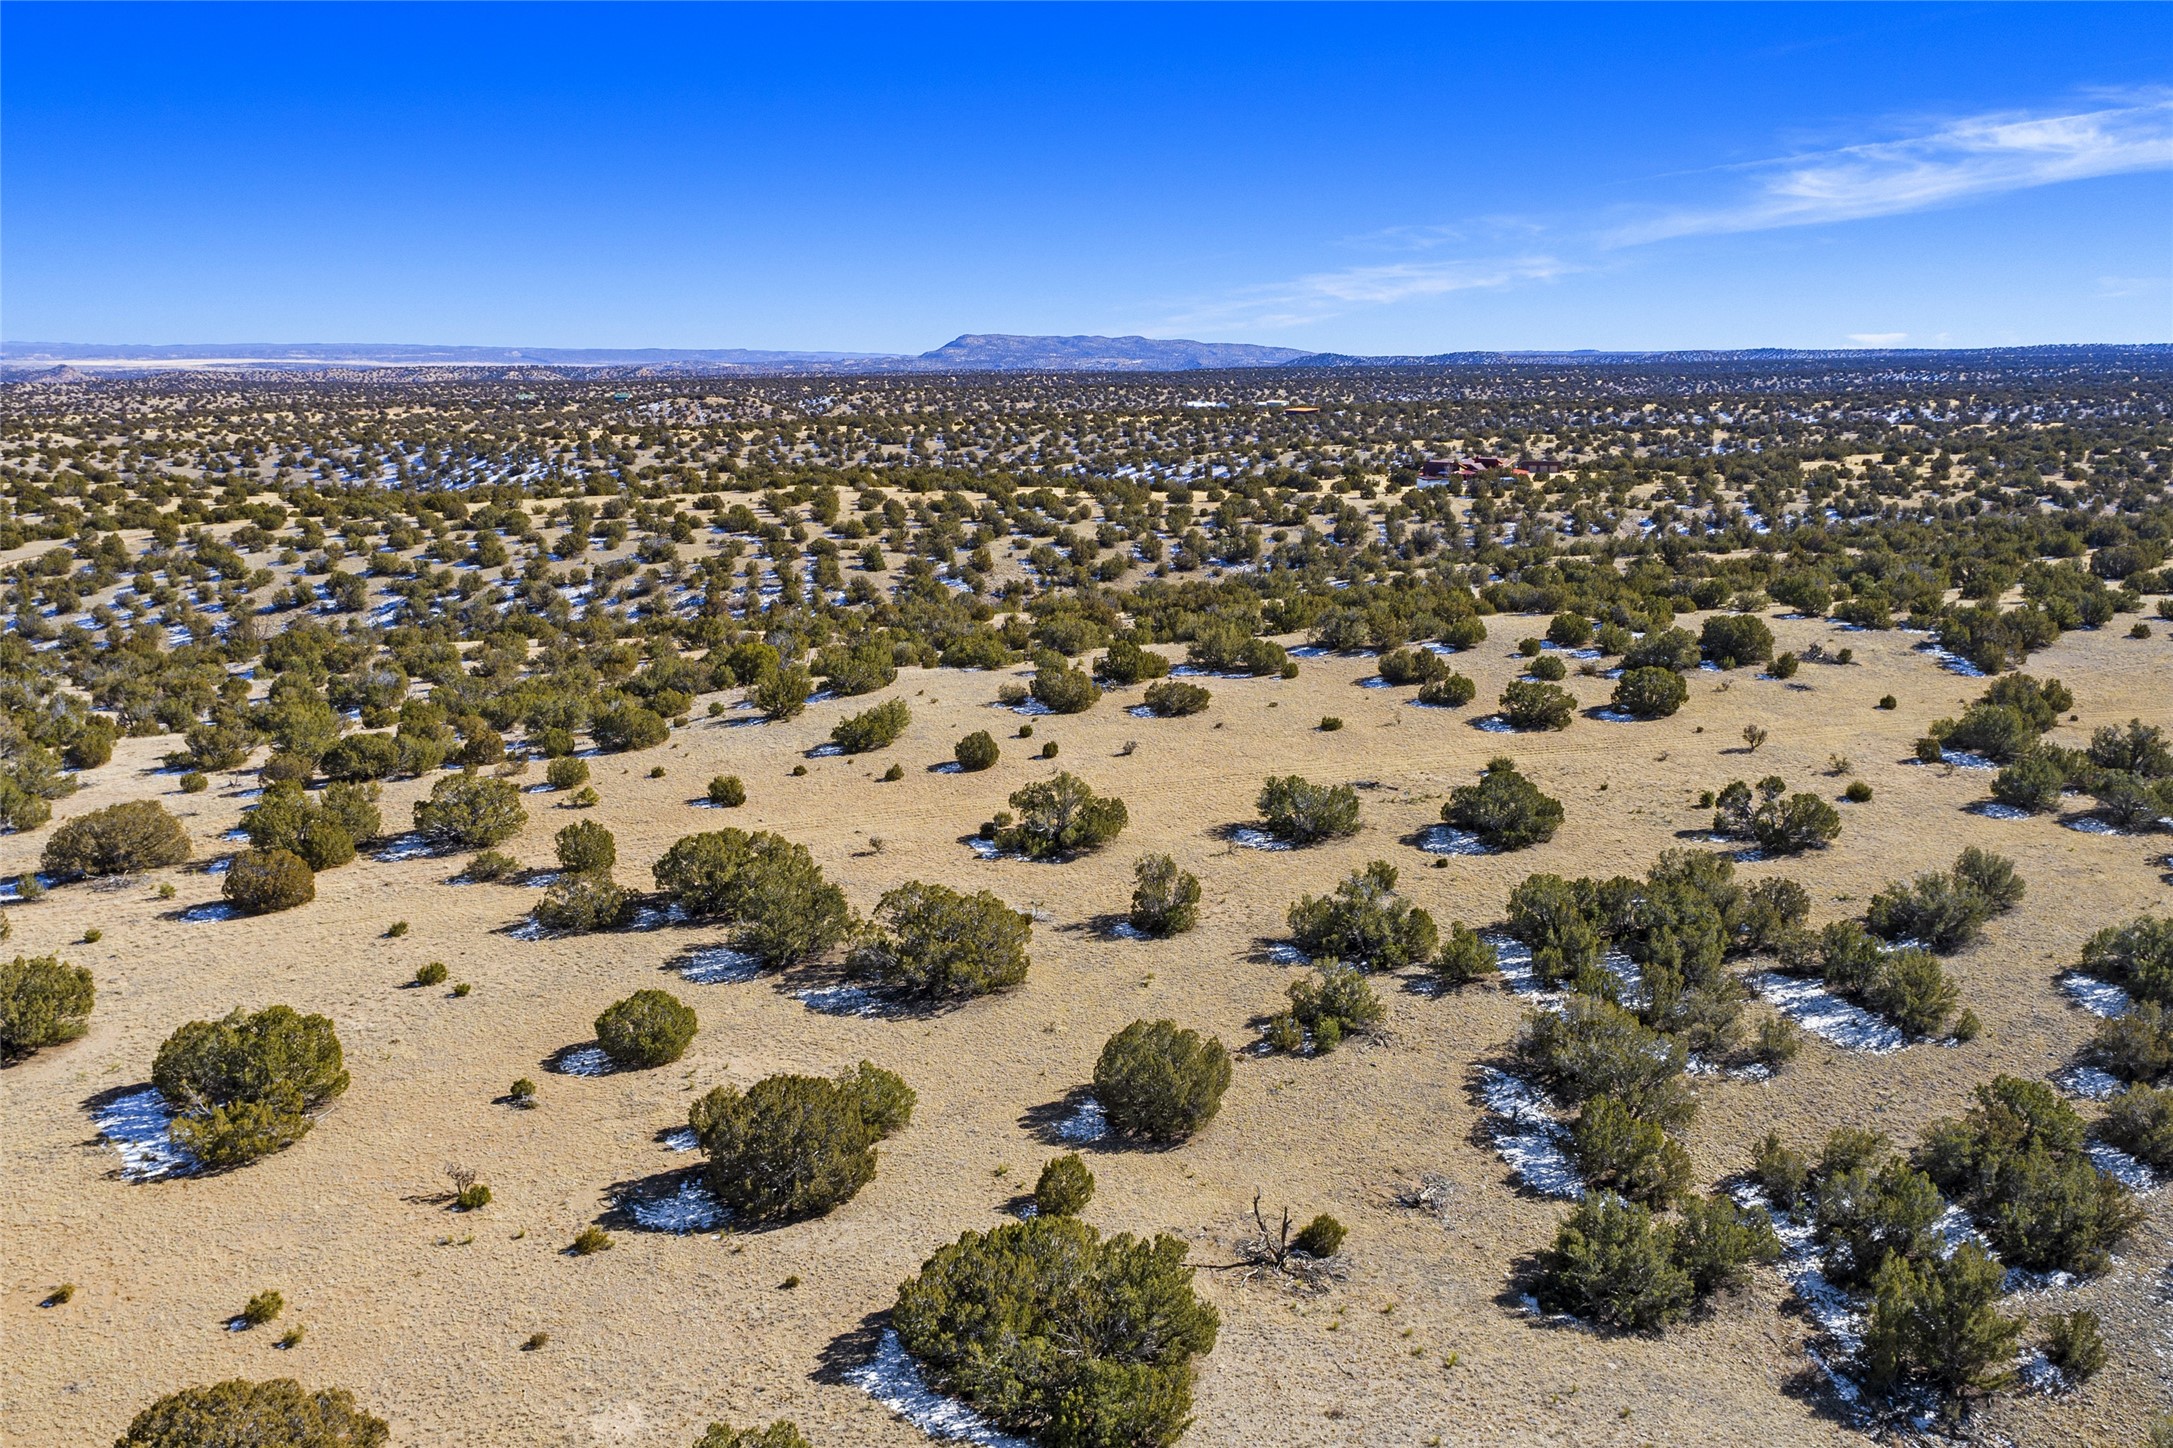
1445,469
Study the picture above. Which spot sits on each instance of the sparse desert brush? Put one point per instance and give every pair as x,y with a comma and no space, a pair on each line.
992,1318
1174,698
566,772
976,752
1650,693
727,791
872,729
932,941
647,1029
1320,1238
121,839
792,1147
1530,704
1165,899
1295,809
280,1413
1448,691
470,812
585,847
1063,689
1327,1008
262,1308
260,882
44,1001
1464,957
1159,1081
522,1093
430,973
769,888
583,902
248,1084
1061,816
1064,1187
782,1433
590,1240
1504,809
1549,668
1364,923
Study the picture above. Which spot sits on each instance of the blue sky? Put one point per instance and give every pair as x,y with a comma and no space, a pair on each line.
1393,179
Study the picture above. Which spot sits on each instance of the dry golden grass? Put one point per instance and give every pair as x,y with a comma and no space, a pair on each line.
653,1339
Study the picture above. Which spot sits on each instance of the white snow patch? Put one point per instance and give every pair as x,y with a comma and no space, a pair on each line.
2088,1082
826,751
1253,838
139,1127
1494,724
2099,997
1141,711
584,1061
1992,809
1126,930
1284,953
1821,1012
1087,1122
893,1379
681,1139
1448,840
1528,1136
986,849
214,910
1513,958
839,1000
719,965
2121,1167
1612,715
691,1208
404,847
2090,825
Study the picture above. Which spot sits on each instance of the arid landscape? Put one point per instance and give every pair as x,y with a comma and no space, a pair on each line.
166,532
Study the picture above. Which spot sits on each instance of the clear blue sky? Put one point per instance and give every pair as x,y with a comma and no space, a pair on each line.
1403,178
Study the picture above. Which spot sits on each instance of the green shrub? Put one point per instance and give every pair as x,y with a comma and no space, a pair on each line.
1504,809
2075,1345
362,757
1165,899
1671,648
430,974
1593,1047
1784,666
976,752
1613,1263
792,1147
1061,816
1947,910
932,941
194,782
1174,698
566,772
1937,1321
120,839
1529,704
1569,630
590,1240
1790,826
1320,1238
782,1433
2137,956
649,1028
2015,1160
783,694
1619,1153
44,1001
470,812
1013,1322
1294,809
92,747
2139,1121
1126,662
1858,792
1733,640
1867,1213
1548,914
627,727
260,882
280,1413
862,669
586,847
1063,689
1159,1081
1330,723
1365,923
1450,691
1412,666
1650,693
245,1086
1783,1175
1464,957
767,886
1334,1003
1549,667
1065,1187
872,729
1716,1242
584,902
263,1308
324,835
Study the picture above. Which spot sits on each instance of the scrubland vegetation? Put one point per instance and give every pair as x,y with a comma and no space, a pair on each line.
1842,1025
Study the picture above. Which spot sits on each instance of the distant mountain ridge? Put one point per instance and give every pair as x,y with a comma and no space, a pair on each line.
973,352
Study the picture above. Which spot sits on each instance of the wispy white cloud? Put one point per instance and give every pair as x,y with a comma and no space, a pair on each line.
1878,339
1962,160
1948,163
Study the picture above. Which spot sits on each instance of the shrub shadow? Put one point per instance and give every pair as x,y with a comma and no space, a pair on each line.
853,1348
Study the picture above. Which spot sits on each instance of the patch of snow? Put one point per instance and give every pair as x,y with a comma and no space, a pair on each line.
1992,809
1952,662
1087,1122
1493,724
2098,997
1822,1013
1033,708
219,867
826,751
139,1127
2089,825
404,847
2088,1082
1448,840
1126,930
719,965
681,1139
654,917
1254,838
1514,960
1527,1135
950,767
1612,715
529,929
1376,682
1284,953
210,911
893,1379
839,1000
986,849
583,1061
1141,711
691,1208
2121,1167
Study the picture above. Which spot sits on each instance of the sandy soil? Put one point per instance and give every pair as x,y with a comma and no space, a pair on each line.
423,1311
